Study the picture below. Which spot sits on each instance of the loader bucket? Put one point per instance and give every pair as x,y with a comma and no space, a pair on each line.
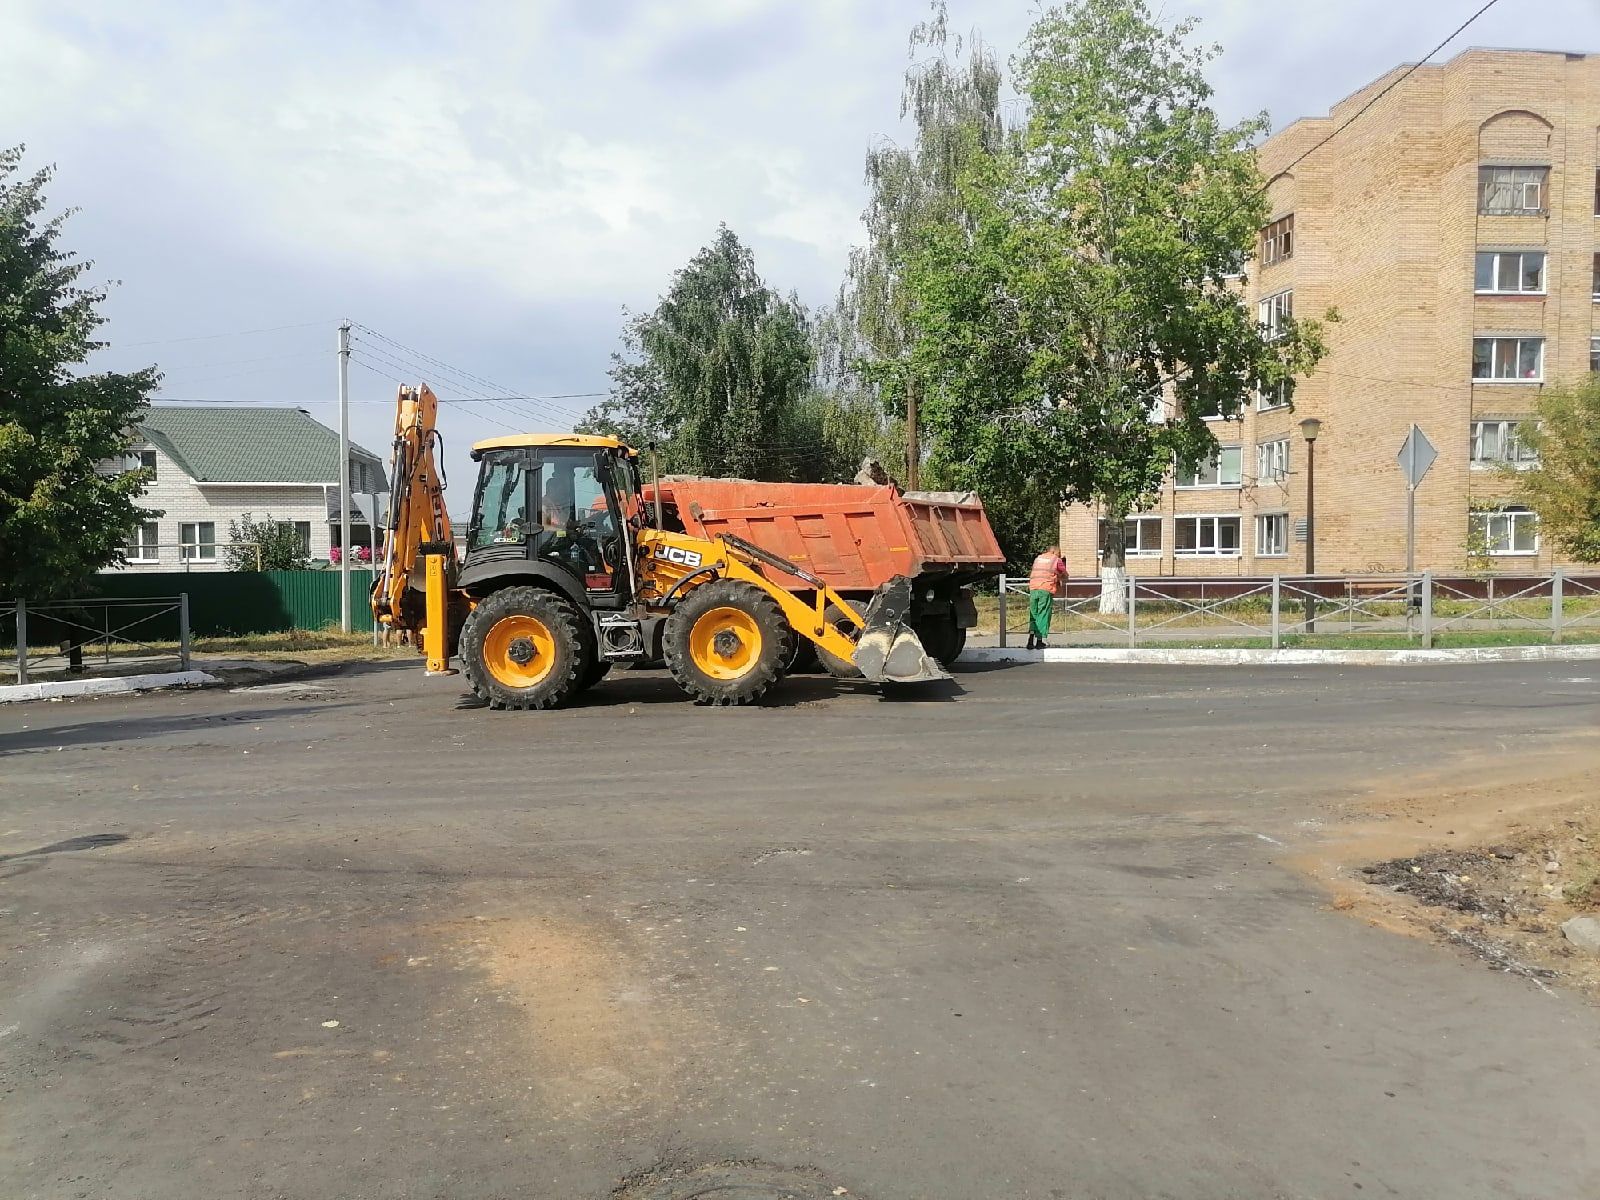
887,650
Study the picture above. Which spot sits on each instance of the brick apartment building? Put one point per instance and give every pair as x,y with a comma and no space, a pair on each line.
1456,228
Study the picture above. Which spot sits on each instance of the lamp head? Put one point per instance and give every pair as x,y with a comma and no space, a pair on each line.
1310,428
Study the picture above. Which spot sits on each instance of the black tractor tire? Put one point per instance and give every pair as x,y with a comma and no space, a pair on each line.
942,638
527,647
839,668
598,670
727,643
803,658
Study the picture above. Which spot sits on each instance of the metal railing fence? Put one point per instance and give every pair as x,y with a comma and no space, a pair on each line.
76,626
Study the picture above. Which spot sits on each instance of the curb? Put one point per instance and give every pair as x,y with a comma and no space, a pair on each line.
1281,658
110,686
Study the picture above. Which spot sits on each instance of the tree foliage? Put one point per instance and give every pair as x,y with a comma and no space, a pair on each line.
714,372
1564,489
1096,271
61,519
265,545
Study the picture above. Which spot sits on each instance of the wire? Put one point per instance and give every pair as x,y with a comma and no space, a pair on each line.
206,337
402,374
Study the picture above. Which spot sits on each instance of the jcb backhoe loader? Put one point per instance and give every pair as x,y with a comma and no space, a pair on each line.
565,574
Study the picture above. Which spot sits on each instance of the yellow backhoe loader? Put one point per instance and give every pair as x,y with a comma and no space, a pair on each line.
566,572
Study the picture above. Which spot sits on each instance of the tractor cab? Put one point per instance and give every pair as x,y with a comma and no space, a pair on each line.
567,502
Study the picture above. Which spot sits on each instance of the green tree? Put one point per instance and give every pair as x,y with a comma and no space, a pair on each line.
61,519
715,371
1097,271
265,545
951,95
1564,489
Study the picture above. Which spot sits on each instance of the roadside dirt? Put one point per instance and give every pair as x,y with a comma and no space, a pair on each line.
1490,856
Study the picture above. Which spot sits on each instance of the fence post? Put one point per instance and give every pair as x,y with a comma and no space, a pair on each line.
1133,611
1002,612
1557,582
1427,610
22,640
1277,612
183,631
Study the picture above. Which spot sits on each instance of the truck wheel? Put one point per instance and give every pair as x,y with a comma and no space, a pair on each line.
727,643
839,668
942,638
525,647
598,670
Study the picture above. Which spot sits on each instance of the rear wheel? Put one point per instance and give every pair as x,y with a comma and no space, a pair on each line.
526,647
727,643
941,638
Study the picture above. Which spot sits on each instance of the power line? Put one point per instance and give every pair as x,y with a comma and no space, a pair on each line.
400,373
405,368
206,337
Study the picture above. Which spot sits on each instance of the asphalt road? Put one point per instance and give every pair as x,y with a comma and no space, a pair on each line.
1034,939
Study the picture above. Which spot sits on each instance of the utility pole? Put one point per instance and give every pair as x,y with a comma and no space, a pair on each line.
913,446
344,477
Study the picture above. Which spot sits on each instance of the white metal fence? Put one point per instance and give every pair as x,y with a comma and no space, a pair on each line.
79,627
1293,607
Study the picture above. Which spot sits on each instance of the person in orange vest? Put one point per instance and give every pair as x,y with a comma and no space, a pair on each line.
1044,585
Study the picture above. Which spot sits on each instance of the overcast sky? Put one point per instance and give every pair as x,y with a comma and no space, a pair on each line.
489,182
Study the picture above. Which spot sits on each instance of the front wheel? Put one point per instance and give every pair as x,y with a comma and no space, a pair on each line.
727,643
525,647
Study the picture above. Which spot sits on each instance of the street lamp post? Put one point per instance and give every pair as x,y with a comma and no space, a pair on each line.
1310,428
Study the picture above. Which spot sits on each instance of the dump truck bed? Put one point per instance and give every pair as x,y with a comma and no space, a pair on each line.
855,537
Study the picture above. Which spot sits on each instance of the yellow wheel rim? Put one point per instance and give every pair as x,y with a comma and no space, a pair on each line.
725,642
519,651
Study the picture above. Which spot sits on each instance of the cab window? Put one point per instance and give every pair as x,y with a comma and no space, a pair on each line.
502,509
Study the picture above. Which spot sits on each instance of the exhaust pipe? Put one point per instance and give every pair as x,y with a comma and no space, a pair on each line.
887,650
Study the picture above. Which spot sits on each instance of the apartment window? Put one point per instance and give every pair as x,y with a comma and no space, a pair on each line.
1594,354
1141,537
1277,241
302,530
1215,408
1275,395
1594,285
141,546
1597,193
1508,358
1511,190
1221,471
147,463
1272,461
1196,537
197,541
1509,530
1509,271
1272,535
1275,313
1495,443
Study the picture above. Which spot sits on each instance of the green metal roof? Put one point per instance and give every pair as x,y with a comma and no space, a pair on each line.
241,444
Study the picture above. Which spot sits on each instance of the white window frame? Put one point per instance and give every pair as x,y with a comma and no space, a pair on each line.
1522,458
1268,399
1524,188
1594,282
1274,311
141,455
1272,461
1511,515
1216,465
1497,273
192,547
305,537
148,549
1594,354
1278,521
1277,240
1134,544
1516,340
1214,518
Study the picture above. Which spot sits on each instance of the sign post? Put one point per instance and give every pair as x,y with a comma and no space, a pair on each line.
1416,456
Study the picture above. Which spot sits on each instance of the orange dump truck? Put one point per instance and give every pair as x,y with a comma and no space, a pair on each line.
855,538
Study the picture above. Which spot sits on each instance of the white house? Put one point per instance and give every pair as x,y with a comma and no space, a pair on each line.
215,464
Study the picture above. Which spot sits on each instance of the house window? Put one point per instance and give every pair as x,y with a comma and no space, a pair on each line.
141,547
1511,190
1495,443
1275,313
302,530
1277,241
1509,271
1272,535
1594,354
1275,395
197,541
1196,537
1509,530
147,463
1272,461
1221,471
1213,407
1141,537
1594,284
1508,358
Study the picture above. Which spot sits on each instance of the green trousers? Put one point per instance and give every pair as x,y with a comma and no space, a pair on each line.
1041,605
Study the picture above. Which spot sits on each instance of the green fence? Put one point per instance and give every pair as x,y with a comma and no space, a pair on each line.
227,603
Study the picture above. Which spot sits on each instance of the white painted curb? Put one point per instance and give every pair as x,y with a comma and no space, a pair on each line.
110,686
1281,658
